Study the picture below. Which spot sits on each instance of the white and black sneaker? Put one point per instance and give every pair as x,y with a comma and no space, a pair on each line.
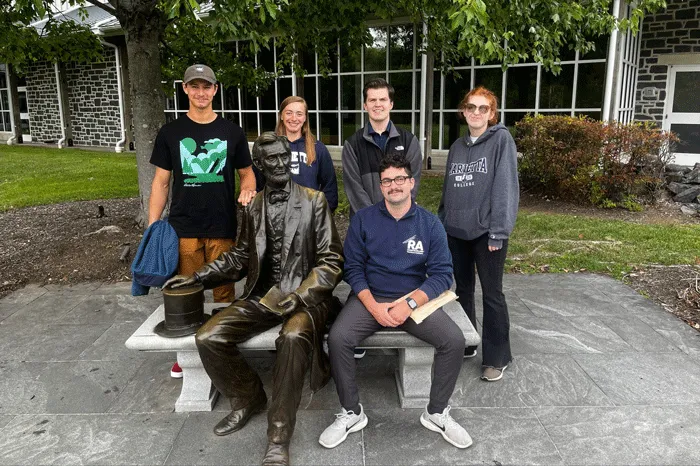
443,424
345,423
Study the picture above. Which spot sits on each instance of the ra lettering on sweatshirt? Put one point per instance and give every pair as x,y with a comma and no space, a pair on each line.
394,257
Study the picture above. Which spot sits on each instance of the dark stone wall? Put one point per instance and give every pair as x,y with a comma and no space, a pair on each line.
93,101
673,30
42,102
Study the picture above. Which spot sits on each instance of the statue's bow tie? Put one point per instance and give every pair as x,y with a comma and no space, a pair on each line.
278,196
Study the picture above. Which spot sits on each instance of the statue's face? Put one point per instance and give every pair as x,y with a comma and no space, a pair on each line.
275,163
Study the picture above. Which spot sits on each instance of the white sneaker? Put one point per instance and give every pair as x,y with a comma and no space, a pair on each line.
447,427
345,423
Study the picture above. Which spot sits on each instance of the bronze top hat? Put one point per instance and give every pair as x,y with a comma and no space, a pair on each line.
184,311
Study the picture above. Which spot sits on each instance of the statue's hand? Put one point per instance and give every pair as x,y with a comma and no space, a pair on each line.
290,303
179,281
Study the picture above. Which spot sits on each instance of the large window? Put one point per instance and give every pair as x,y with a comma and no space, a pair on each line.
522,89
391,55
335,101
5,122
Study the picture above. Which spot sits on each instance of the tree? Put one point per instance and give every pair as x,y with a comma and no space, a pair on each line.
539,30
144,23
57,41
504,31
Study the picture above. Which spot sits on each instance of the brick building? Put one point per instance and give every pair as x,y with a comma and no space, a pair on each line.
653,75
668,80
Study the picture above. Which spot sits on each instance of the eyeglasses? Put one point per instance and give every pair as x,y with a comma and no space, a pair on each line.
399,180
471,108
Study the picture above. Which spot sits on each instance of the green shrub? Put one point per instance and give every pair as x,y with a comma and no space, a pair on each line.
559,155
586,161
633,160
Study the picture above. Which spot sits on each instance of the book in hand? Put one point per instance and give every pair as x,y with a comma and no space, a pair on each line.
272,299
421,313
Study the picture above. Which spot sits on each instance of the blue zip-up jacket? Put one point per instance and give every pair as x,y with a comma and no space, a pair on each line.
156,258
392,257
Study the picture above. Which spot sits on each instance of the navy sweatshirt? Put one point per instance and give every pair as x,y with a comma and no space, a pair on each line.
320,175
392,257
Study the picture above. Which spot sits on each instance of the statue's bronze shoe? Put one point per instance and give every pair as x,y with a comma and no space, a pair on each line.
238,418
277,454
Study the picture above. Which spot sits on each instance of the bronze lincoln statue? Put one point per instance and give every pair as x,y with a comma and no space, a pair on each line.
290,253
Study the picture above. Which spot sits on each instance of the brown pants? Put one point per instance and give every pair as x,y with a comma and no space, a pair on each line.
218,339
195,252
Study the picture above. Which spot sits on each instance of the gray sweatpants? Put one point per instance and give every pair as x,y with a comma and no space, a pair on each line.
355,323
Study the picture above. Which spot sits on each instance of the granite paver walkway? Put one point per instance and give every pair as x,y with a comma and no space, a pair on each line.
601,376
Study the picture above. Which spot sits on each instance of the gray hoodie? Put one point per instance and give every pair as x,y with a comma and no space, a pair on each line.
480,193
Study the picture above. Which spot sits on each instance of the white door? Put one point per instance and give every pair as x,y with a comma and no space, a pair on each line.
682,112
24,114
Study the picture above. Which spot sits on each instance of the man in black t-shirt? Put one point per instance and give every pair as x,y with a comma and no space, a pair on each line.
201,151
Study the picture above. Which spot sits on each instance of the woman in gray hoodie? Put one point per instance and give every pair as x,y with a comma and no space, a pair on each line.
478,209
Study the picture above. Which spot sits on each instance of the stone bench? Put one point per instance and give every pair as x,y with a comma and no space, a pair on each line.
413,375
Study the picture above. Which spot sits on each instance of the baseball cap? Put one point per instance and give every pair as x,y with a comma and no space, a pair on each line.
199,72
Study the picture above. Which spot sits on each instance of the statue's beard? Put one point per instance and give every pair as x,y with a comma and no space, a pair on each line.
278,180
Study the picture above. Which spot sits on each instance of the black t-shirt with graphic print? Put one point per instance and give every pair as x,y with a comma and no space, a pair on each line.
203,159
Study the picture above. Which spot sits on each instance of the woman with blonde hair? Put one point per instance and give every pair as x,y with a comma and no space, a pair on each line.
479,204
312,165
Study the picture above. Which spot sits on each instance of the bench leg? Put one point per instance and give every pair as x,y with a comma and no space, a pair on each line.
414,376
198,393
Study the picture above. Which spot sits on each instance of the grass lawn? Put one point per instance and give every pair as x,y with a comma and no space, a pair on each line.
567,243
545,242
36,175
540,242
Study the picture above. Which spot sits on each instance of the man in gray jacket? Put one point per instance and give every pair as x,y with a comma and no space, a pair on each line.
363,151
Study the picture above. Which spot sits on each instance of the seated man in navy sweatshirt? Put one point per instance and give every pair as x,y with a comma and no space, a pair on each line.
394,248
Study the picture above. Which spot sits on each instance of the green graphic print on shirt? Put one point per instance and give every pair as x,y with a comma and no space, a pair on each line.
207,166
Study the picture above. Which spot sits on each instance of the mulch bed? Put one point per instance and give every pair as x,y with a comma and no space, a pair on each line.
78,242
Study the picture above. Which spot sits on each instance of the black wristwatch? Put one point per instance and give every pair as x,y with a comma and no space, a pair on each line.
412,303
